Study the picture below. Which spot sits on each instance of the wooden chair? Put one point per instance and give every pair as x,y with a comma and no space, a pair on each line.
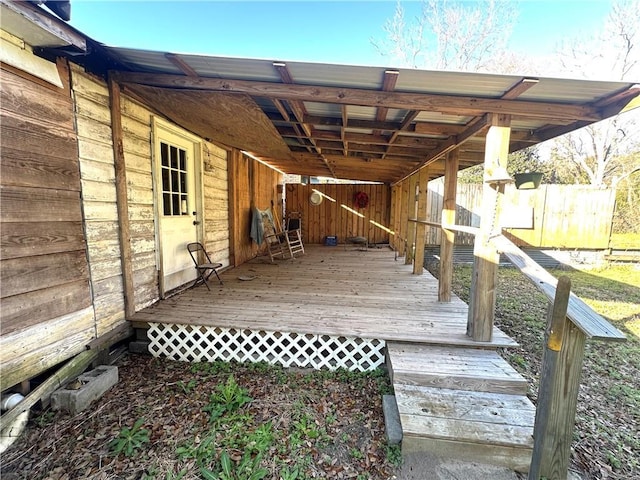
280,244
205,269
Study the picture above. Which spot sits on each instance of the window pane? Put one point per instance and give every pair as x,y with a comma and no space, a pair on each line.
174,157
166,185
184,205
176,204
164,154
175,186
183,159
166,200
183,182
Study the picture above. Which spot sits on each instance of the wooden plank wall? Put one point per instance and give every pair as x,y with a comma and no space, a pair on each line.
93,120
216,202
46,315
330,218
99,196
250,183
565,216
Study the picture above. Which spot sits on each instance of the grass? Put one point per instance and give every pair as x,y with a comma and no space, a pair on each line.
607,439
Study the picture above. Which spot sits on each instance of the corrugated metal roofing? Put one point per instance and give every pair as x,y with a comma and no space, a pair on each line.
470,89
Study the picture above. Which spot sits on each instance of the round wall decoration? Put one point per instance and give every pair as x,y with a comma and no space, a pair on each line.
315,198
361,199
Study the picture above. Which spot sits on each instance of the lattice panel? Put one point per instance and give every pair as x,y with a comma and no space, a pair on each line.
191,343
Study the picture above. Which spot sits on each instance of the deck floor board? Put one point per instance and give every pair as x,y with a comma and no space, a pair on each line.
327,291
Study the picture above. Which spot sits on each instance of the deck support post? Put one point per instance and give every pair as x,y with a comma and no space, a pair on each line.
421,228
486,258
558,392
402,221
120,170
411,214
448,237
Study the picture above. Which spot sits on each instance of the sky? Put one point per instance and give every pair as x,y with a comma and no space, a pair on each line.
311,31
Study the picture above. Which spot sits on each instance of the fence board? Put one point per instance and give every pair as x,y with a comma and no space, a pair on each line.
565,216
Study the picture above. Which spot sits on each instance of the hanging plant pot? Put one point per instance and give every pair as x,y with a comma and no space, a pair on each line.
528,180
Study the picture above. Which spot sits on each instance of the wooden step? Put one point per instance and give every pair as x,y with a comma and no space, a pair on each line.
493,428
450,367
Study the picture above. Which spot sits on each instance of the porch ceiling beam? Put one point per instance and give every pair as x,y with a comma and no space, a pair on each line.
388,85
345,117
299,111
459,105
404,125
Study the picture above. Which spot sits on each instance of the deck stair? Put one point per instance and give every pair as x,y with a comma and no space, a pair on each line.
464,402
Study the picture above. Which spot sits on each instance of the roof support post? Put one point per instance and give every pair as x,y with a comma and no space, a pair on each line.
411,215
447,239
403,219
121,196
482,302
421,228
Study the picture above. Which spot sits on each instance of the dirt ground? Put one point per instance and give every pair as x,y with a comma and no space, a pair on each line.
302,424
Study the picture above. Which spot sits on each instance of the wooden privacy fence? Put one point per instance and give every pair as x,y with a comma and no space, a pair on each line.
560,216
338,214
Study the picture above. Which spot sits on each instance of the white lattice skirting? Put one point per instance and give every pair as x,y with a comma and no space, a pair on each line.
192,343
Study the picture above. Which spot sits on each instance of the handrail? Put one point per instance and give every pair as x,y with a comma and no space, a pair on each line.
582,315
455,228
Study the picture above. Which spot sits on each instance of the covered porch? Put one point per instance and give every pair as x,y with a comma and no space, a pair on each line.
328,291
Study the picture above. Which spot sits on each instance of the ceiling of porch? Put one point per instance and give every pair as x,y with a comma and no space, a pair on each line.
359,123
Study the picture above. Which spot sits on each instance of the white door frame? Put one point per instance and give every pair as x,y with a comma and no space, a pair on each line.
159,126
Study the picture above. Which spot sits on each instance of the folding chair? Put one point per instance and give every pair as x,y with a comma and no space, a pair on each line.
197,251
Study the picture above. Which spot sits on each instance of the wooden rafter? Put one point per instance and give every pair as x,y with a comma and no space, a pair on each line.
299,111
181,64
458,105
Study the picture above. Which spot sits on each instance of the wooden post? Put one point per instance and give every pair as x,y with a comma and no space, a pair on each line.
402,220
448,217
121,198
482,303
411,213
558,392
421,228
393,218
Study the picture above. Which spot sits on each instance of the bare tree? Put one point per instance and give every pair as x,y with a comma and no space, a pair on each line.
452,35
607,152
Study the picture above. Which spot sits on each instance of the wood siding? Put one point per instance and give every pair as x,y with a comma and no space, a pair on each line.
332,219
564,216
46,315
215,178
250,184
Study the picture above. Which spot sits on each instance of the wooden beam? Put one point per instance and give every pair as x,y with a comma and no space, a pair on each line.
447,240
281,109
389,81
181,64
482,302
68,371
519,88
345,143
299,111
122,199
459,105
421,229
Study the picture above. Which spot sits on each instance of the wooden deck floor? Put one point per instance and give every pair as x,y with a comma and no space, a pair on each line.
329,291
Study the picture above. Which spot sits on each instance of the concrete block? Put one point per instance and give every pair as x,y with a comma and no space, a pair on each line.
81,392
141,347
392,425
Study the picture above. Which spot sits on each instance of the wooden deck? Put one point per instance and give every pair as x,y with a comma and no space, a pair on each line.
327,291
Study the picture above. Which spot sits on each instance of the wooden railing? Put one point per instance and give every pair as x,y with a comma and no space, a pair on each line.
570,323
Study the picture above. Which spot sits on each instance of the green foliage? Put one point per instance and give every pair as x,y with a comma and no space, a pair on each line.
247,469
394,455
211,368
227,398
188,386
129,440
290,473
203,452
